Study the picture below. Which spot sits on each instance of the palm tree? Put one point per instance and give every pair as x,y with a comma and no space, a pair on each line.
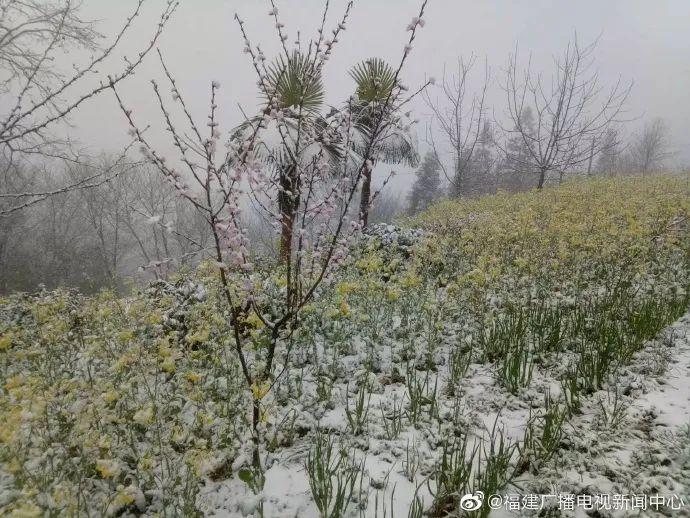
299,94
374,111
294,90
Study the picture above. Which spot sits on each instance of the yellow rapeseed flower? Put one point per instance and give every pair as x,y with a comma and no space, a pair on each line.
193,377
5,342
168,365
107,468
26,510
259,391
144,416
200,336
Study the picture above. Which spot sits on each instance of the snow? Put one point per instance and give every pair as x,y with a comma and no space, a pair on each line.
595,461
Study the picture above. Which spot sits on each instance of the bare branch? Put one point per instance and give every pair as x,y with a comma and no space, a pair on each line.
572,111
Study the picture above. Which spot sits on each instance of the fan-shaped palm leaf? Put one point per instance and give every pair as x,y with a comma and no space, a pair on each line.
275,147
394,145
296,82
375,80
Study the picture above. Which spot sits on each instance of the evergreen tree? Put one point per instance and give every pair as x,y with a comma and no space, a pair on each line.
609,156
479,173
518,171
426,187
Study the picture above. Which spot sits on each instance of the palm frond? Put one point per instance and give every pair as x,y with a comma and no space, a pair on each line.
296,82
275,149
398,147
375,80
393,145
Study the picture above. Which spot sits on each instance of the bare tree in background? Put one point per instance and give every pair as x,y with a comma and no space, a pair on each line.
650,150
13,179
165,232
104,210
51,244
38,95
572,110
481,171
133,225
459,123
609,159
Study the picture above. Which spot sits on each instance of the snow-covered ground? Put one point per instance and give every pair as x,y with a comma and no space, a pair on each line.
646,452
504,349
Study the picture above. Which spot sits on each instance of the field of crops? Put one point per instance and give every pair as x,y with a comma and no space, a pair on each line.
519,344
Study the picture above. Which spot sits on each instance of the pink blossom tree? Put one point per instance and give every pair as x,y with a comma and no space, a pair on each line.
297,167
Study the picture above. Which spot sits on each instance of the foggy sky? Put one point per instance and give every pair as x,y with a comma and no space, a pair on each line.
642,40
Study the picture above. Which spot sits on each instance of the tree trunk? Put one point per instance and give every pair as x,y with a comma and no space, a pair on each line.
591,159
286,233
542,178
286,206
364,201
256,440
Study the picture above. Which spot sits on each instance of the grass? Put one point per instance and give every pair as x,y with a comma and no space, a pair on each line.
506,334
612,410
453,476
516,369
393,421
421,394
543,434
334,476
358,413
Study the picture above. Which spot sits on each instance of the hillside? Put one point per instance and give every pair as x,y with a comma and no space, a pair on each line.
517,344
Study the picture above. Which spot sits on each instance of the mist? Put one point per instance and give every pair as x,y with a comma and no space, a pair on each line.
639,41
